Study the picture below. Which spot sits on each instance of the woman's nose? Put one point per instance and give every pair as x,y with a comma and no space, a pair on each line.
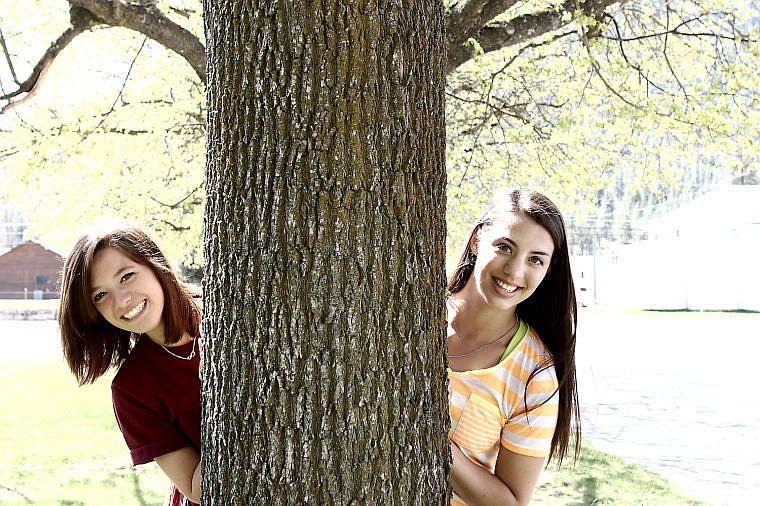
123,298
513,266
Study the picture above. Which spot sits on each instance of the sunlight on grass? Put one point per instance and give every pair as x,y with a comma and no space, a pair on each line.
602,479
61,445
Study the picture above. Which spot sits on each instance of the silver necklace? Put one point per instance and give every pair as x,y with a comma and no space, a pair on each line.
517,320
189,357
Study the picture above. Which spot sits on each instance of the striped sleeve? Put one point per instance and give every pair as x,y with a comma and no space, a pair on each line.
530,428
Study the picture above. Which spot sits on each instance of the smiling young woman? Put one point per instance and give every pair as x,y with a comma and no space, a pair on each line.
123,306
511,339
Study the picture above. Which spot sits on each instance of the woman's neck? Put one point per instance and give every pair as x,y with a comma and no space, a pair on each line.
159,339
470,319
157,335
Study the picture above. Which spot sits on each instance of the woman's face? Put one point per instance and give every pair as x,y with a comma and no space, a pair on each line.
513,257
127,294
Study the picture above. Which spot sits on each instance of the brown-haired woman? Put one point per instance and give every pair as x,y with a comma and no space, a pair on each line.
123,306
511,340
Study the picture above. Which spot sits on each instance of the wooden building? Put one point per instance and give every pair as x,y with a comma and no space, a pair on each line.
30,271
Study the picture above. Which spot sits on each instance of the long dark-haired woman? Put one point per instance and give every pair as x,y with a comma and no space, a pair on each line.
511,340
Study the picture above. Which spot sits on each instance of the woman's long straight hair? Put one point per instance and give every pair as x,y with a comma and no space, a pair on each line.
551,310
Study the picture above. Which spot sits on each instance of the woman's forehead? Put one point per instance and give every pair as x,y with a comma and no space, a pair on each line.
505,225
506,221
106,262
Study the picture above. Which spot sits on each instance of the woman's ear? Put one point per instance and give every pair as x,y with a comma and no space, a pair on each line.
475,239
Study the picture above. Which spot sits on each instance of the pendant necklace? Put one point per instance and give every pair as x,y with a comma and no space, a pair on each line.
189,357
517,320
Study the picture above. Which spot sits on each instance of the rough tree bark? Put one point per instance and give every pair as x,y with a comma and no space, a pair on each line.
325,377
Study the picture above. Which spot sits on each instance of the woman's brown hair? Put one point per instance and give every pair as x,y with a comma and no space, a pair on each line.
551,310
91,345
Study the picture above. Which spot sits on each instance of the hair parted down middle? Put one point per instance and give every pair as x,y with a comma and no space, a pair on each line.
551,310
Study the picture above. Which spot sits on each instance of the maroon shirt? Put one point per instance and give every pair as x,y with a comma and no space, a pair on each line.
157,400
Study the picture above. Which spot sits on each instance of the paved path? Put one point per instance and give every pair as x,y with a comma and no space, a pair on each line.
29,341
676,393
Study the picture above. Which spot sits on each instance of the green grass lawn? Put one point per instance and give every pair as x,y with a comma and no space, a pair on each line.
59,445
601,479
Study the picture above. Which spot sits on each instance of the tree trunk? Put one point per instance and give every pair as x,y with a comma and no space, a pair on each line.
325,379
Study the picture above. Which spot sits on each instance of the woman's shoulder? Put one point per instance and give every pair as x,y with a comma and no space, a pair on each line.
535,356
137,364
534,345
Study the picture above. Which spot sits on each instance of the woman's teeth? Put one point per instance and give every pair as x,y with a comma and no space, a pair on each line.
506,287
135,311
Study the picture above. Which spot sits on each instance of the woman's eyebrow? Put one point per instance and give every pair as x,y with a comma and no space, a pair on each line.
513,243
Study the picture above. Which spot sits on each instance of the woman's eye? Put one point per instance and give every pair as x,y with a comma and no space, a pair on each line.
126,276
504,247
536,260
98,297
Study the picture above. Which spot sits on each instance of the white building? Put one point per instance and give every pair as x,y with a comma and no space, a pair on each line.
703,256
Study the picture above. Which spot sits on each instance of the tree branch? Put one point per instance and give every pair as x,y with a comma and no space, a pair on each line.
629,61
105,115
174,228
180,201
8,57
142,17
14,491
474,20
667,59
81,21
150,21
465,19
598,71
677,30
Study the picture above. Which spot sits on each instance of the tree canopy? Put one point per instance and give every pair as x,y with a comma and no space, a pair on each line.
615,109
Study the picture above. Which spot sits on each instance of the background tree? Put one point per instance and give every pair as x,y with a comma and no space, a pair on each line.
325,377
119,137
620,116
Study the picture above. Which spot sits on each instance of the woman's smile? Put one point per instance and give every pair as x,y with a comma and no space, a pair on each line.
509,289
137,310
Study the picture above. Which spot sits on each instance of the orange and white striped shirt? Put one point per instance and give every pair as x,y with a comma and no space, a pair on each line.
491,407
